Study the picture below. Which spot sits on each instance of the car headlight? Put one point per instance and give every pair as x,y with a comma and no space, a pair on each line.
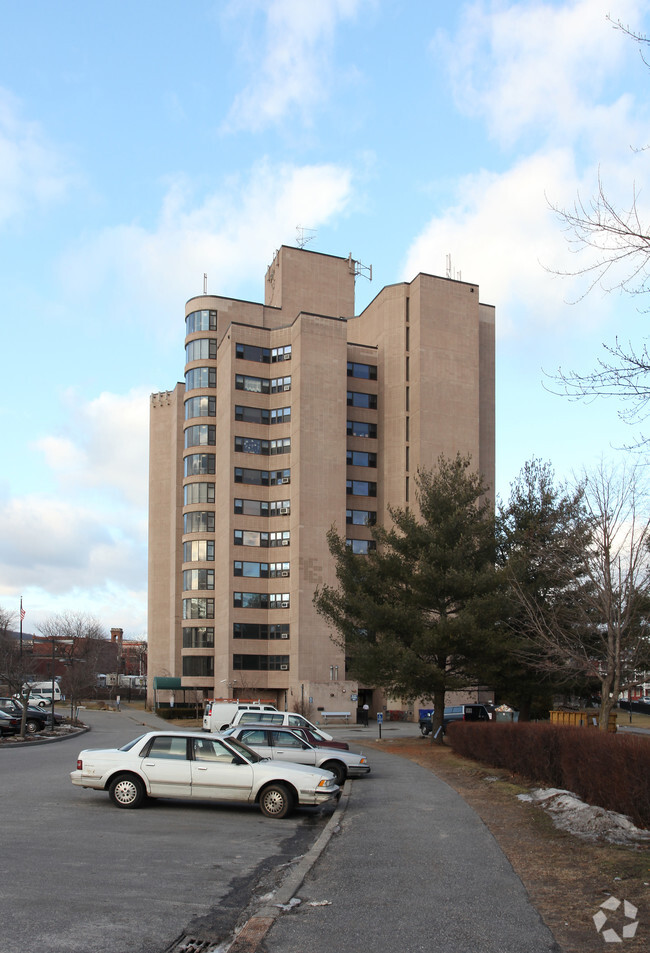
326,783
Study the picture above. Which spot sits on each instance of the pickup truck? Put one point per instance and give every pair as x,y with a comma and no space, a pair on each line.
474,712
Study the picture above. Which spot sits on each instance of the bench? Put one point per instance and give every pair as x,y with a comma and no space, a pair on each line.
336,714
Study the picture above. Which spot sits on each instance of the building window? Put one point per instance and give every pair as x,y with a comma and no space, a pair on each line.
202,349
280,508
249,537
361,546
199,521
366,371
198,608
359,458
198,493
198,463
361,428
280,384
200,435
251,507
252,570
200,321
281,415
252,630
359,399
262,477
198,551
200,377
360,488
250,600
279,538
252,415
198,579
200,407
283,445
262,447
361,517
198,637
256,385
279,600
260,663
198,665
265,355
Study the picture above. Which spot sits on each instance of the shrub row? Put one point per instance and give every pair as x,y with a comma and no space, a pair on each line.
611,771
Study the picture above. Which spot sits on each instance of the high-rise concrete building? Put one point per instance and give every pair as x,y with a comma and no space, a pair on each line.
296,415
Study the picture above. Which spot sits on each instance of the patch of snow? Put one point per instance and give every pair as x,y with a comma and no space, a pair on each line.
571,814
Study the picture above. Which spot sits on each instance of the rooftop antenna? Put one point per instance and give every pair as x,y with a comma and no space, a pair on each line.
304,235
356,268
205,283
450,272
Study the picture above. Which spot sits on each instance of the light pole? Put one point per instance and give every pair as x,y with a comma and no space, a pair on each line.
56,642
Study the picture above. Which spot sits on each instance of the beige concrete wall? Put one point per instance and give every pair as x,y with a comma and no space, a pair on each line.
299,280
165,527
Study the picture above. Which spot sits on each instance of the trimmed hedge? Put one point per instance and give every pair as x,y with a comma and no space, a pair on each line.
611,771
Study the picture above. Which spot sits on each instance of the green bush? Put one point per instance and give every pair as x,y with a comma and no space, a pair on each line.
611,771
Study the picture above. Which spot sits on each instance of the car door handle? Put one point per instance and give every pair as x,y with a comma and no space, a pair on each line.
201,767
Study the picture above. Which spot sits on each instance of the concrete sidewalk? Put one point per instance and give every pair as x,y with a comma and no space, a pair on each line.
406,866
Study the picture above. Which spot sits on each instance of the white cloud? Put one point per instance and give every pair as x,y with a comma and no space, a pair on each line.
107,449
539,73
229,234
294,71
31,168
537,67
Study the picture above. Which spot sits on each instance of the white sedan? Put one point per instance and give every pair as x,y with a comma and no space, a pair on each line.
281,744
199,766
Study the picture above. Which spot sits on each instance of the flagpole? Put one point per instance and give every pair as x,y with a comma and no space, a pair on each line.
21,626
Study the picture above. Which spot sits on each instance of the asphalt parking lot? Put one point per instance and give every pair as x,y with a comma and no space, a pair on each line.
81,876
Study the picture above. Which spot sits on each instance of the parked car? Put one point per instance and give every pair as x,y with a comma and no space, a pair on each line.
453,713
199,766
38,701
9,724
287,719
282,744
313,736
37,718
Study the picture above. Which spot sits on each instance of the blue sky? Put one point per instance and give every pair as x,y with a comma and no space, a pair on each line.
145,144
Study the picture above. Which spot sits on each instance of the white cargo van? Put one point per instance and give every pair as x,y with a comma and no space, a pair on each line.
45,690
218,714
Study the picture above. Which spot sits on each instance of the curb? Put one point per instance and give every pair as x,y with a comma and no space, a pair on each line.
45,741
248,938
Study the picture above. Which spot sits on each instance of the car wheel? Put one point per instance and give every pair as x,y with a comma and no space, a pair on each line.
32,726
338,769
276,801
127,790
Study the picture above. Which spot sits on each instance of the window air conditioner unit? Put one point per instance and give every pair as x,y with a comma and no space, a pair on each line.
287,387
284,510
285,572
285,480
284,635
284,605
284,668
285,542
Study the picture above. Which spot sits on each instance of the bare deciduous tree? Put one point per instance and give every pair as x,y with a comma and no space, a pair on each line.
597,625
613,243
77,640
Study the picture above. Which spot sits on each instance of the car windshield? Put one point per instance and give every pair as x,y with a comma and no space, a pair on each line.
243,749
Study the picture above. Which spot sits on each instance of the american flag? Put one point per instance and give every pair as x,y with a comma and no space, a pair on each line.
22,613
